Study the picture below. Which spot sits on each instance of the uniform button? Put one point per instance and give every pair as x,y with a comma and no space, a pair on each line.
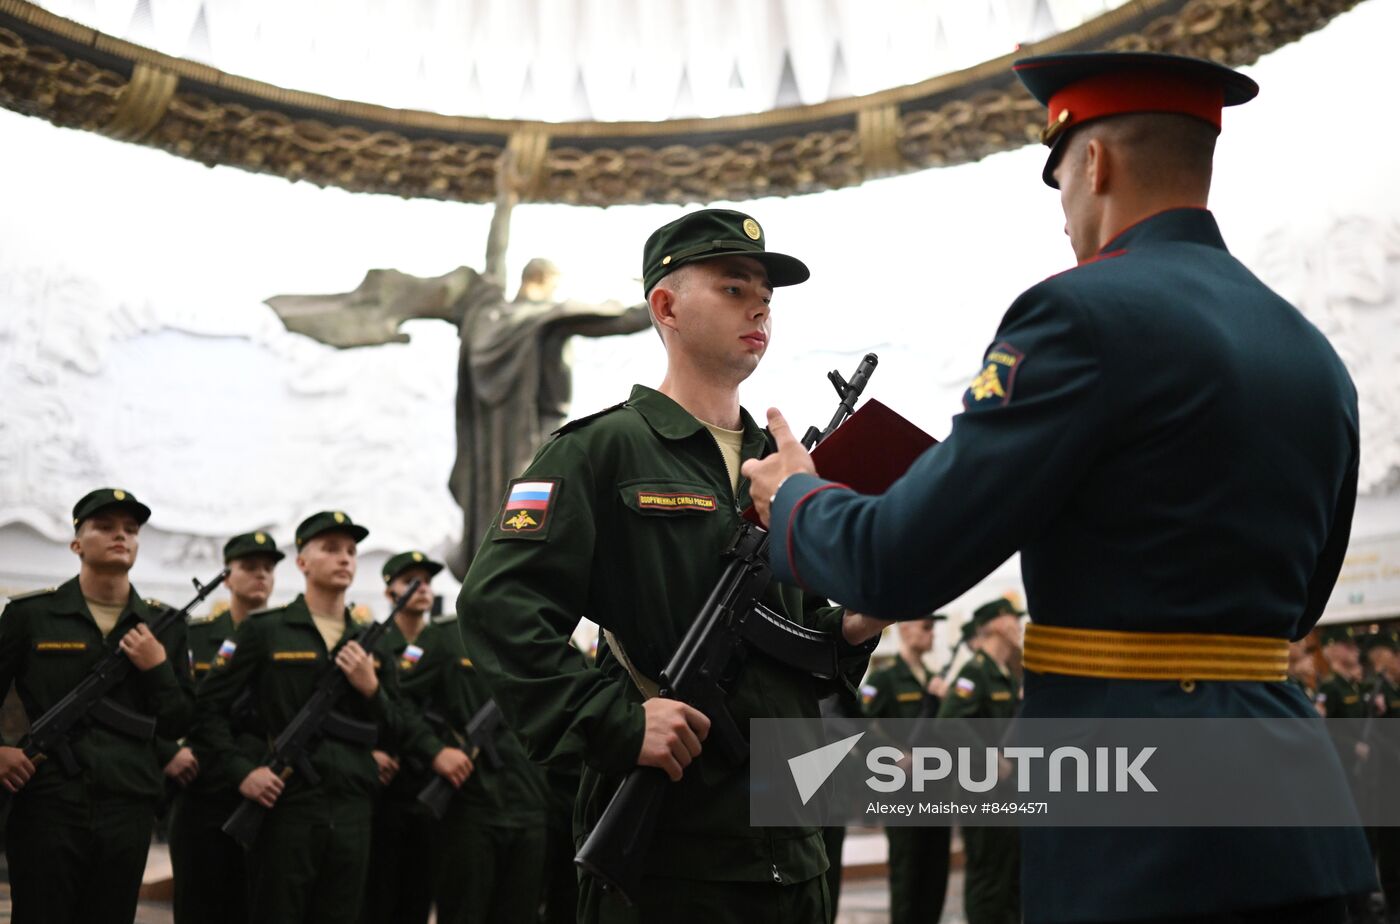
1188,686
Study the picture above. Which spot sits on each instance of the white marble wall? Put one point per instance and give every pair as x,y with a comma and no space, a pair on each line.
135,351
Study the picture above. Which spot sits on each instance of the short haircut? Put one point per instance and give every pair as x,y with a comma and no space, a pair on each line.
1159,148
674,282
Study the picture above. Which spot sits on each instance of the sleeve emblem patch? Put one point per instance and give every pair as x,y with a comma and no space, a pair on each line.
867,694
964,687
527,508
993,385
411,656
225,653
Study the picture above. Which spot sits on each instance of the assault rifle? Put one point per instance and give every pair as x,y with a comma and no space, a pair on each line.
291,752
480,737
88,701
703,671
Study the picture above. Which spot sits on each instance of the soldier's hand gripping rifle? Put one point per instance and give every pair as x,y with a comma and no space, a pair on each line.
480,738
88,701
317,718
704,669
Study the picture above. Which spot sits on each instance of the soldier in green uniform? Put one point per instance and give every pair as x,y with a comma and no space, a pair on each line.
211,882
986,689
405,835
1342,694
622,518
310,860
78,836
918,856
483,861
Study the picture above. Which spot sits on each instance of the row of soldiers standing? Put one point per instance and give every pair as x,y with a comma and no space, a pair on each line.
1363,684
985,687
348,839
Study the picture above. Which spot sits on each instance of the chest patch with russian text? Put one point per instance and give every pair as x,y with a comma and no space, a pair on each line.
656,500
527,508
294,656
993,385
60,646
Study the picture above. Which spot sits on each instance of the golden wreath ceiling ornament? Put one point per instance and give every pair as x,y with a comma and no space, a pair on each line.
55,69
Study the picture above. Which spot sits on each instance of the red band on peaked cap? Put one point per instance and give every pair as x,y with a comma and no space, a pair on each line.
1122,92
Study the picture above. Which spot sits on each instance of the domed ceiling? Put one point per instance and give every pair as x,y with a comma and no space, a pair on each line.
599,101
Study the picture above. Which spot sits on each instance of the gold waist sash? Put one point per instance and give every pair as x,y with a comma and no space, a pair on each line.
1154,655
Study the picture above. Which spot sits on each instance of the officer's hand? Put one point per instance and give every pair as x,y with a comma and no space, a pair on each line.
358,668
858,629
766,475
1363,750
938,687
183,767
673,736
388,766
262,786
142,648
453,765
15,768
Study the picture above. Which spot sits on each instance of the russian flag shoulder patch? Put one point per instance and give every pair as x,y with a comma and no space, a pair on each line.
526,512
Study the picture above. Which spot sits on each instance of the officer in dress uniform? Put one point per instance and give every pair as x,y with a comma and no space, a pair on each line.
623,518
1172,448
211,880
311,856
80,824
918,856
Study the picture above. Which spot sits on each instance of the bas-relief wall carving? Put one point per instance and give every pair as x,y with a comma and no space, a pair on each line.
1346,280
220,420
105,389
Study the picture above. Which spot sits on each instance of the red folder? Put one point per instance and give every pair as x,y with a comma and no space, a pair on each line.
869,452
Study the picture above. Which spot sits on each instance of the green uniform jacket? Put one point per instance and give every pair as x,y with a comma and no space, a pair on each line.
279,654
1343,698
207,636
982,690
895,693
48,644
441,683
638,510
